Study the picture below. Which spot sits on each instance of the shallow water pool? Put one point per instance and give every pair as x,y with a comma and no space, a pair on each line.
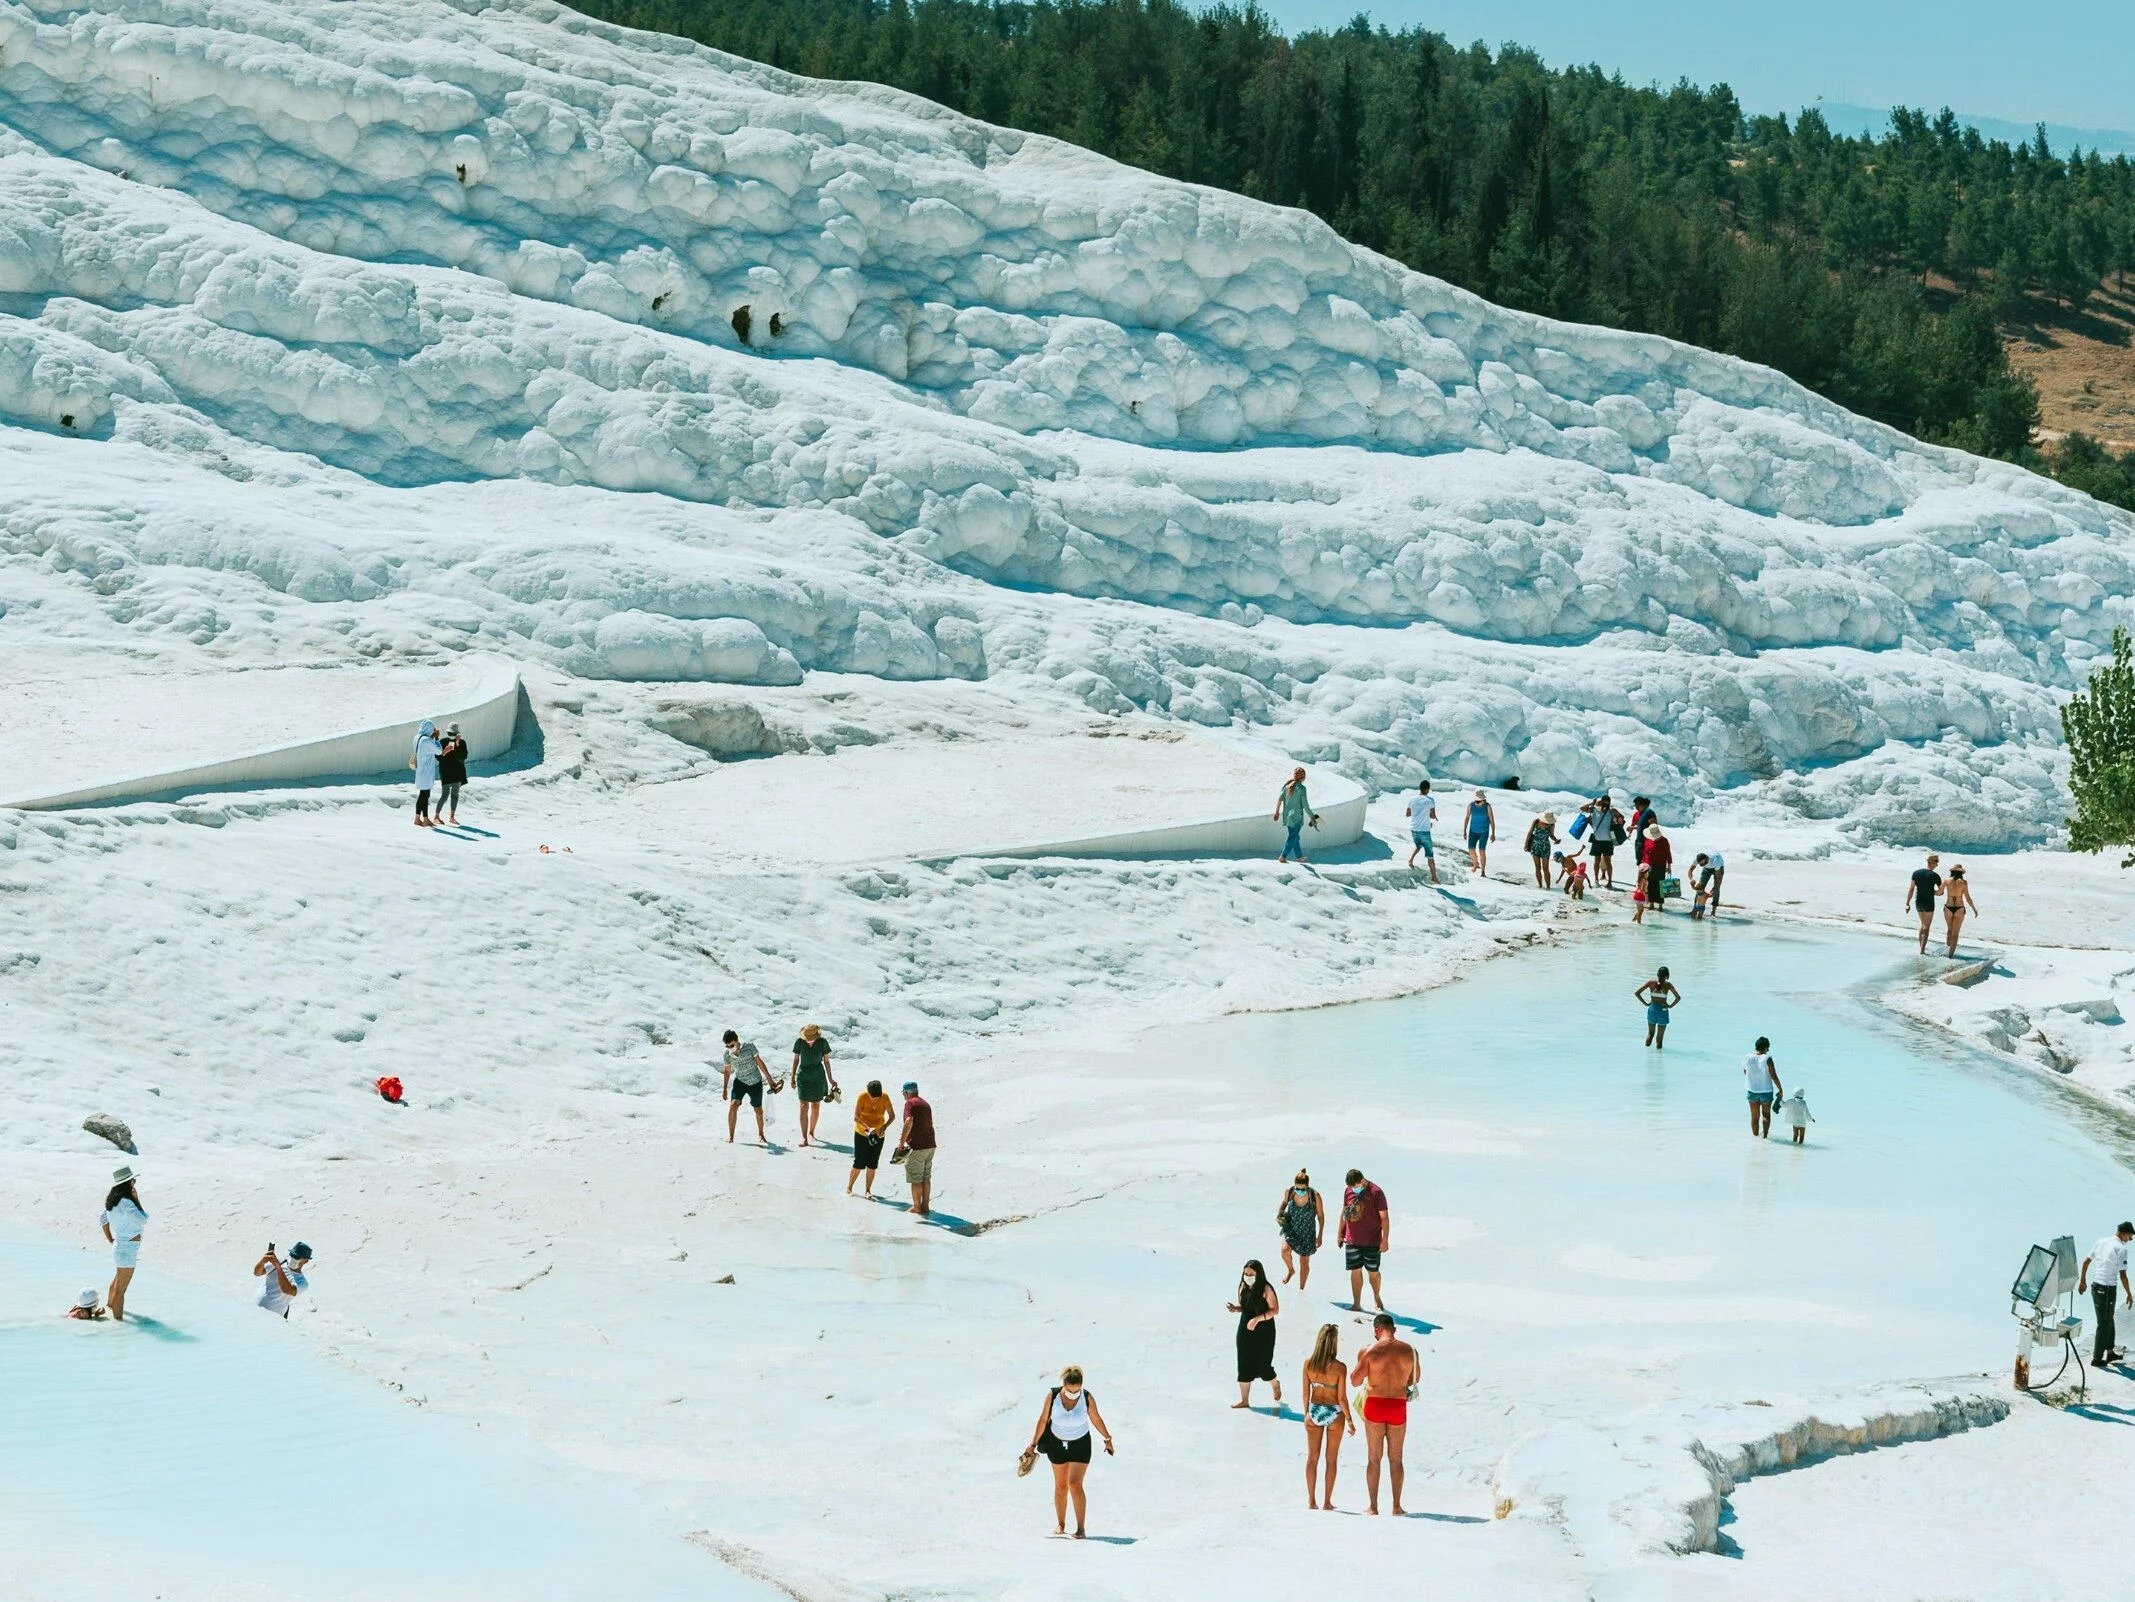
1604,1206
205,1452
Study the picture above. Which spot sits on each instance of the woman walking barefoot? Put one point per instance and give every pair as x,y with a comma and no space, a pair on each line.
812,1078
1956,902
1063,1435
871,1116
123,1219
1256,1308
1302,1218
1327,1415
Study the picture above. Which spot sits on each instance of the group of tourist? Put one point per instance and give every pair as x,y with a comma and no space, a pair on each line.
745,1076
440,764
1584,853
124,1221
1386,1372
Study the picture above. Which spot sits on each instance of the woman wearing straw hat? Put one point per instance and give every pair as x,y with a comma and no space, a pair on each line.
813,1082
123,1219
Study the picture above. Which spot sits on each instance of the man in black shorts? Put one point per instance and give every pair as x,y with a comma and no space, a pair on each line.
741,1075
1365,1227
1601,841
1920,896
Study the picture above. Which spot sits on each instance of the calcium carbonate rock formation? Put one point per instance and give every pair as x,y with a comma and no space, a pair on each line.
391,326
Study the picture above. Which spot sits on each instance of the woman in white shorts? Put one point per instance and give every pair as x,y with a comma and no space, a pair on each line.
123,1219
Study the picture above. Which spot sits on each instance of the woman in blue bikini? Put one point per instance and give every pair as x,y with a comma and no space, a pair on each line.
1660,997
1327,1415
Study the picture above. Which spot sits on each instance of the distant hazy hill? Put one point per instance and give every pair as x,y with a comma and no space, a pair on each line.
1871,122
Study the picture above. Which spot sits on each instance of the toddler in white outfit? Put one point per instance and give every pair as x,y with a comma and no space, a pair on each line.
1794,1112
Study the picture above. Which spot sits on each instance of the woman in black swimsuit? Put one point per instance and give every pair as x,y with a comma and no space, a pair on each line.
1302,1218
1256,1308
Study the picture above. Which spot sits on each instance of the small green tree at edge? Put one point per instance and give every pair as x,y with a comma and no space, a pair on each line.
2099,724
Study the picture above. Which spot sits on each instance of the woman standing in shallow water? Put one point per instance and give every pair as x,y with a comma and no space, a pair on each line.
123,1219
1327,1415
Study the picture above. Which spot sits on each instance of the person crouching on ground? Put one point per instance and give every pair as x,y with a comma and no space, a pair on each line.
284,1276
1063,1435
85,1306
915,1148
1706,872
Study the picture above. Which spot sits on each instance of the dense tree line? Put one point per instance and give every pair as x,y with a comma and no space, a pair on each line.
1876,271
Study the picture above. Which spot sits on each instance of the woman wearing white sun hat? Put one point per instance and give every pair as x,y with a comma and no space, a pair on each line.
123,1219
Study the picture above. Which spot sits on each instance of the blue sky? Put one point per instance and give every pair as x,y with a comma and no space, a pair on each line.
2067,63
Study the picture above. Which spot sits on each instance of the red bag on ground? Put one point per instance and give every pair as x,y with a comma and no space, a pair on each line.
389,1087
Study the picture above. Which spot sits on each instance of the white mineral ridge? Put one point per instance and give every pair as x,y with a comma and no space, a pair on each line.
377,330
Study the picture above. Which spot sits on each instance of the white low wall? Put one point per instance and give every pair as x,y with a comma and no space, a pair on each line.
487,725
1339,802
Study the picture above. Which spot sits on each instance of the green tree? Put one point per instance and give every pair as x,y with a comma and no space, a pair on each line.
2099,725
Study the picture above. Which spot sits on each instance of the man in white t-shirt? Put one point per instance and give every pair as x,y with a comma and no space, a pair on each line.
2106,1271
1423,815
284,1277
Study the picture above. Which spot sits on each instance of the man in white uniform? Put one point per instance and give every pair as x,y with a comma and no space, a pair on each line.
2106,1272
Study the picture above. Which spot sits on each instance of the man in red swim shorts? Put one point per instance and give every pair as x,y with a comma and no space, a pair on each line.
1389,1372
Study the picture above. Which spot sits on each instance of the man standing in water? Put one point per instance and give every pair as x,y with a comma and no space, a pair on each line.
915,1144
1293,810
1365,1228
1389,1372
1920,896
1761,1074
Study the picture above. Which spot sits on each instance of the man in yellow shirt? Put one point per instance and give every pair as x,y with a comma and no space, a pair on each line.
871,1117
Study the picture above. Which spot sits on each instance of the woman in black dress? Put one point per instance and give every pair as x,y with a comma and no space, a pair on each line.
1256,1308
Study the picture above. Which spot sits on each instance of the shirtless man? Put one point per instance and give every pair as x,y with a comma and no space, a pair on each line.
1389,1372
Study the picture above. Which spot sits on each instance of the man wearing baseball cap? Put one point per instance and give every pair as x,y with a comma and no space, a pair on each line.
284,1277
915,1147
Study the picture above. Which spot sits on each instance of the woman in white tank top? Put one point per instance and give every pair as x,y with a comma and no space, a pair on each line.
1062,1433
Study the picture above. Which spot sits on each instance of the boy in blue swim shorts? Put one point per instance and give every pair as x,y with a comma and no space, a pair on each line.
1659,995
